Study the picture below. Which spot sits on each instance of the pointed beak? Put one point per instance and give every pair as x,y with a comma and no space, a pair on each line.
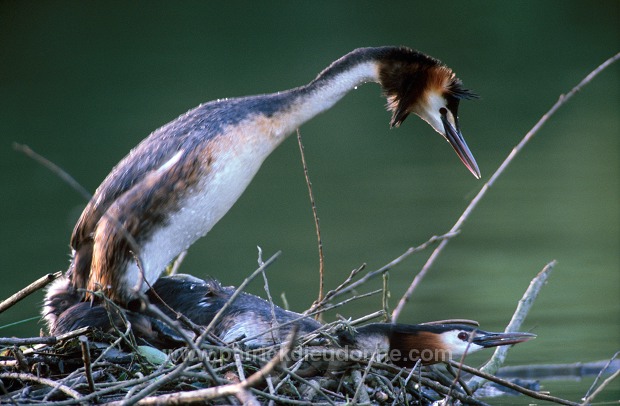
486,339
455,138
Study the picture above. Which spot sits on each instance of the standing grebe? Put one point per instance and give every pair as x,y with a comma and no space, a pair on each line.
178,182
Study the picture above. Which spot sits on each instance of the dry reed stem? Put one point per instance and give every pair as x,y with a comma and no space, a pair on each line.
316,219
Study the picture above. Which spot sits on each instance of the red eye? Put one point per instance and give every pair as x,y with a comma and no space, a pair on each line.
463,336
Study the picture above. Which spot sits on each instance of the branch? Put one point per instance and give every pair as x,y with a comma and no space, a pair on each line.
507,384
28,290
44,381
523,308
43,340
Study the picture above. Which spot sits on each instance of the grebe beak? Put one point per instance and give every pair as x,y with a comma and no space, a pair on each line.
495,339
455,138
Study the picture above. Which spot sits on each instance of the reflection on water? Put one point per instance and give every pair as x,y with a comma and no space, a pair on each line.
83,84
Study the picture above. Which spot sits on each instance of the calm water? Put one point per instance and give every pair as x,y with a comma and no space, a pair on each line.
82,83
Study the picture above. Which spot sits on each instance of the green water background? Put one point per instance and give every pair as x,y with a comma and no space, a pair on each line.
84,82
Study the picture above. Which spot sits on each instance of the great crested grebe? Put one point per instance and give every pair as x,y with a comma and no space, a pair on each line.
178,182
251,318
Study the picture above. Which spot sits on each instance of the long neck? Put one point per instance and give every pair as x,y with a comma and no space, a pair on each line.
331,85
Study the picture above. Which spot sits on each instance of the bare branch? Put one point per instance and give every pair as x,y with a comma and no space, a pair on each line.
28,290
523,308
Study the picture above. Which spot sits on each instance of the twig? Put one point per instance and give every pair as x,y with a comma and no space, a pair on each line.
239,366
431,384
232,298
361,391
58,171
316,218
274,321
472,205
399,259
156,384
515,387
44,381
523,308
25,292
589,399
22,364
348,285
600,374
332,293
195,346
363,319
87,366
290,373
386,297
176,264
43,340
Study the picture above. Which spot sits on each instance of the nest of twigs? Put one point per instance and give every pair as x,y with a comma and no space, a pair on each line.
87,366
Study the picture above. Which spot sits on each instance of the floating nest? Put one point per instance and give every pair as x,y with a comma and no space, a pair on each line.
87,366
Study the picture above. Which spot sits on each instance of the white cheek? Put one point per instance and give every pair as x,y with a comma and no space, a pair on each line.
457,346
429,111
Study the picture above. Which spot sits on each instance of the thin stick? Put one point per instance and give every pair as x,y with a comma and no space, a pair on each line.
156,384
43,340
238,291
523,308
600,374
316,218
508,384
22,364
176,264
589,399
472,205
399,259
44,381
361,391
348,284
57,170
87,365
195,346
332,293
274,321
28,290
385,297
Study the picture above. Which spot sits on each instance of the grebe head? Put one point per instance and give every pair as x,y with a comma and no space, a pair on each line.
417,83
467,339
59,296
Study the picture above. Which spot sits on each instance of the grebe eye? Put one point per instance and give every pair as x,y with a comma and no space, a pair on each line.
463,336
443,111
